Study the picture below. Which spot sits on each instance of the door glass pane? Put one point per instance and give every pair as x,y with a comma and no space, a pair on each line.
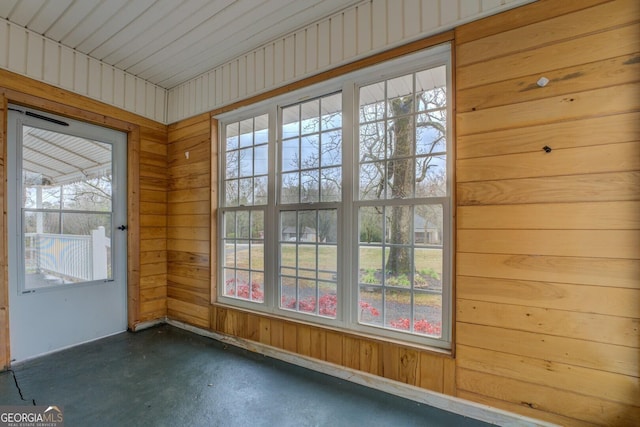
66,209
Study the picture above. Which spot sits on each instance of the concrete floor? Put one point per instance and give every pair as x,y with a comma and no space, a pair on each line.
165,376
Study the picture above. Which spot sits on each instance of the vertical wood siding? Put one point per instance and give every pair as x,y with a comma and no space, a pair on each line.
396,362
548,246
368,28
24,52
189,221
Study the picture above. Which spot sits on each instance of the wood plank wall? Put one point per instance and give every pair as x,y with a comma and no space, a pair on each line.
547,243
548,270
189,221
154,182
147,182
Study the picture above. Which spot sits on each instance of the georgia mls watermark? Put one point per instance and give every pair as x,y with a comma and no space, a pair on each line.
31,416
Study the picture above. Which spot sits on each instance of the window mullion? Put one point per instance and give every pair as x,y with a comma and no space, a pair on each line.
447,273
349,234
271,218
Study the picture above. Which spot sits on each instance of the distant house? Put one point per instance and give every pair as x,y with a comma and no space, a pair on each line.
307,234
425,231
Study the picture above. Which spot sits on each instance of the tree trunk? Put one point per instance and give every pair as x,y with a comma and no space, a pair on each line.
401,172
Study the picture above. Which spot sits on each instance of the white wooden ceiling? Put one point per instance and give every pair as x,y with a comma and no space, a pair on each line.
166,42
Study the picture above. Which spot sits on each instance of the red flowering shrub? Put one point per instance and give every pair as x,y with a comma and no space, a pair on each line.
288,302
365,306
419,326
308,304
241,290
327,305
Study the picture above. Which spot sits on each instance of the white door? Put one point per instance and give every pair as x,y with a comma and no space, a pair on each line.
67,232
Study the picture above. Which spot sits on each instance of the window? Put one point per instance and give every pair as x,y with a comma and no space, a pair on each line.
402,197
310,173
336,202
245,198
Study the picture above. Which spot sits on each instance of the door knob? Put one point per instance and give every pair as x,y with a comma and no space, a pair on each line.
122,227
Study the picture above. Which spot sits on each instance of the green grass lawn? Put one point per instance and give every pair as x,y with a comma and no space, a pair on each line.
324,257
371,258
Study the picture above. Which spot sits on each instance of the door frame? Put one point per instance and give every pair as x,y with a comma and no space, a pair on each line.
45,318
8,96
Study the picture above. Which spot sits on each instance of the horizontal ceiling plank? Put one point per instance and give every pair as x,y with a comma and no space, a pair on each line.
124,18
92,23
149,26
47,15
24,11
155,49
188,43
70,17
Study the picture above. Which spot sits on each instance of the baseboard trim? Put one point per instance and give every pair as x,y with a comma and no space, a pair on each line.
149,324
456,405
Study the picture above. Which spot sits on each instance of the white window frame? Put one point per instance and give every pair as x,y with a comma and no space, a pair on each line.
347,313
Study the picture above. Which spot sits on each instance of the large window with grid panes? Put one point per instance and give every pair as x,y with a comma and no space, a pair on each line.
335,204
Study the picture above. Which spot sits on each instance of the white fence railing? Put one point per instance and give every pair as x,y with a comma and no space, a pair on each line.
75,258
